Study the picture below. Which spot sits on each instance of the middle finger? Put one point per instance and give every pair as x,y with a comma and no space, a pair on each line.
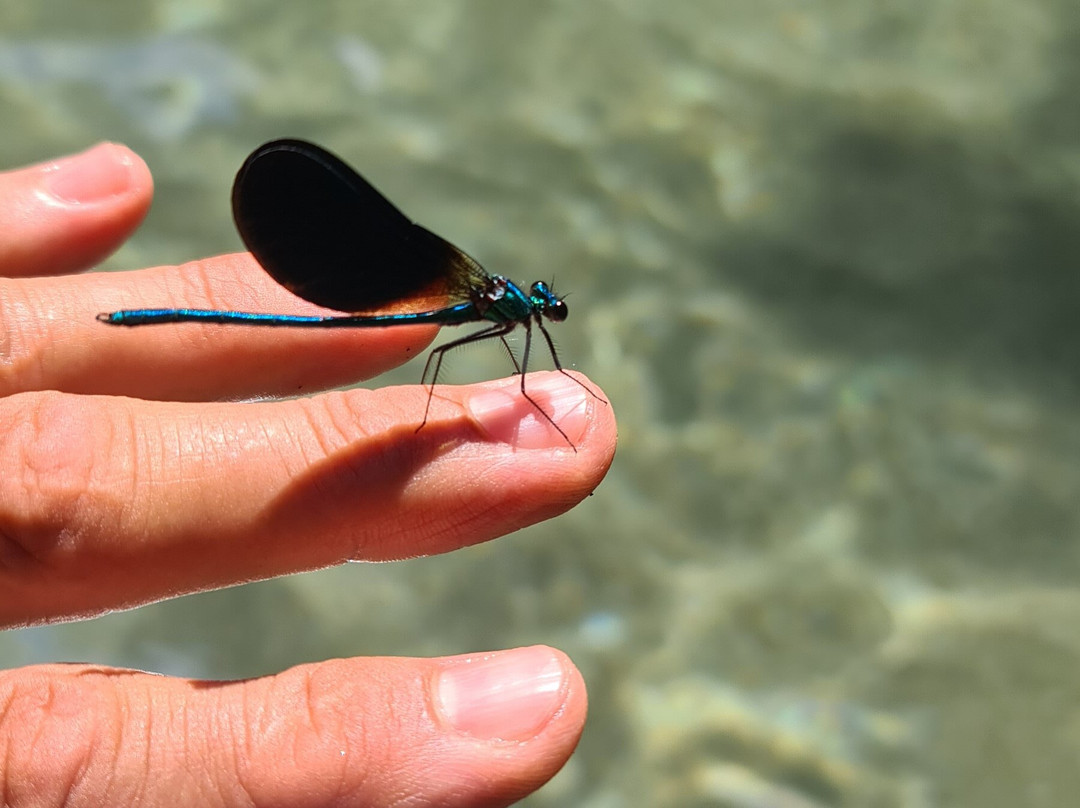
50,338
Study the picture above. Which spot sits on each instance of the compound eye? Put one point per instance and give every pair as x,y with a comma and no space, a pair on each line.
557,311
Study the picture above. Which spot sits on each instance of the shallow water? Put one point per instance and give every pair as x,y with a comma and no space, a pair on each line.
822,261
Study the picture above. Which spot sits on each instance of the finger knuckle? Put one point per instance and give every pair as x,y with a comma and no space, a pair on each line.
50,729
50,447
327,737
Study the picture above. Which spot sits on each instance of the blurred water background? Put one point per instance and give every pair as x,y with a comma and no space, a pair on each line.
823,261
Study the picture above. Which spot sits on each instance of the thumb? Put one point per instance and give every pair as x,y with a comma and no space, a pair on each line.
479,730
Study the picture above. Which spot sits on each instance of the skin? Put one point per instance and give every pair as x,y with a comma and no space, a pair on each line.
132,472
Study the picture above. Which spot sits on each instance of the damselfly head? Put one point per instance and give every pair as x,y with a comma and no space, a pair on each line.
545,301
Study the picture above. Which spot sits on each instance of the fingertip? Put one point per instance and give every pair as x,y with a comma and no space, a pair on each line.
478,729
104,173
512,695
557,410
68,214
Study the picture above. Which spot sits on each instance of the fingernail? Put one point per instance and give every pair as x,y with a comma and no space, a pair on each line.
505,695
506,415
99,173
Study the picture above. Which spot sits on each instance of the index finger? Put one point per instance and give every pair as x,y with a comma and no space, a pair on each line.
114,502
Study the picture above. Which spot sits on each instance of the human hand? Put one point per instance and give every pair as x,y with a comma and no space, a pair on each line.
107,502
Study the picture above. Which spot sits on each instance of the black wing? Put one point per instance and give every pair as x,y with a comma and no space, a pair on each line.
325,234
